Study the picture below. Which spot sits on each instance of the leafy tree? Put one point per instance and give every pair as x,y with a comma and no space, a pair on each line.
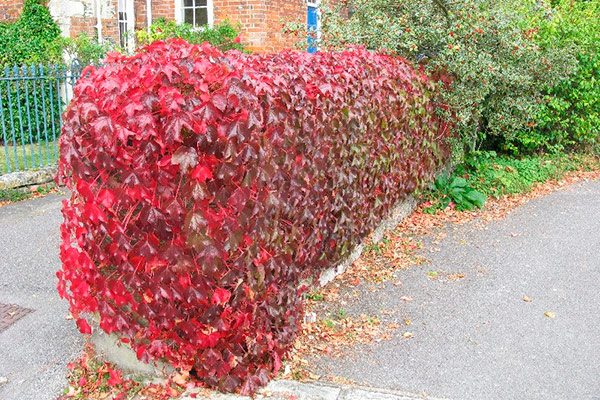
570,115
488,48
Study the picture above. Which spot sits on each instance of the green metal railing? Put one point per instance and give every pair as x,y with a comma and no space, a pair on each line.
32,100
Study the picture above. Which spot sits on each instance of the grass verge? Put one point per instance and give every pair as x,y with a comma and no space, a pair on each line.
11,195
24,155
496,176
486,174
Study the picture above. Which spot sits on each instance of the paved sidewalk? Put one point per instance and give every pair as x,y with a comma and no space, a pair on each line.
476,338
35,349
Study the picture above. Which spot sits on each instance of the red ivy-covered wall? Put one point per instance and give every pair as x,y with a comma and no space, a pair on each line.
206,185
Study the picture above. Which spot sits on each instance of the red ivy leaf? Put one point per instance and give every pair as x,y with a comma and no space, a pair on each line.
115,377
83,326
202,173
221,296
185,157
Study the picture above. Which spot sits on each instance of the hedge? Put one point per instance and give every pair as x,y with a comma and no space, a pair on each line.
206,186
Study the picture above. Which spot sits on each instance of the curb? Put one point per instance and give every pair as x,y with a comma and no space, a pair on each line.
292,390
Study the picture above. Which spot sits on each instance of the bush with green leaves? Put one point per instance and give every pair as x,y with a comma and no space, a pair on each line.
455,189
489,48
83,47
222,35
570,115
497,175
25,40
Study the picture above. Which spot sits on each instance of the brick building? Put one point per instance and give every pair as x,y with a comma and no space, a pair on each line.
116,20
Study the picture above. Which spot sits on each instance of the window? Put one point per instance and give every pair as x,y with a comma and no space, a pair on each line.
196,12
122,19
125,20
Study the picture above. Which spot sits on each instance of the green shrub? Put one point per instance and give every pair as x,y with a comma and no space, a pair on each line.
570,116
496,175
222,35
488,47
82,47
25,41
25,112
455,189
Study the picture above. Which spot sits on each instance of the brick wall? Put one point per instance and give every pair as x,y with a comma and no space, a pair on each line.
261,21
278,13
83,25
162,8
86,22
140,14
10,10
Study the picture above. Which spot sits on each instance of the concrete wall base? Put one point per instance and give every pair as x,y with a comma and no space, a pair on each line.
20,179
113,350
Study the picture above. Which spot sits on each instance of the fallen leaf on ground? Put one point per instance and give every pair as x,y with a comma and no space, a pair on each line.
527,299
550,314
406,298
407,335
182,378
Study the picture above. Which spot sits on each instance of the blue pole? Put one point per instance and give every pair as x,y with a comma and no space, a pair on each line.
29,128
42,87
59,108
4,133
37,114
12,119
19,108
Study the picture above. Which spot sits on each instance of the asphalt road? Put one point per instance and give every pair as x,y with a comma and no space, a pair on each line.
35,350
476,338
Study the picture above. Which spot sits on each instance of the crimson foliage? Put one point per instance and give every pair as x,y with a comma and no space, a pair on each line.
205,186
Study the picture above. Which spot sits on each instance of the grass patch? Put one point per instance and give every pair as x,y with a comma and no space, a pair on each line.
10,195
24,154
486,174
503,175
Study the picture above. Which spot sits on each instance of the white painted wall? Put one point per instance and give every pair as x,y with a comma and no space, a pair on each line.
63,10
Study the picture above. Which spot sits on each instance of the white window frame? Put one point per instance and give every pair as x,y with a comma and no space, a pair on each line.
209,10
130,21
